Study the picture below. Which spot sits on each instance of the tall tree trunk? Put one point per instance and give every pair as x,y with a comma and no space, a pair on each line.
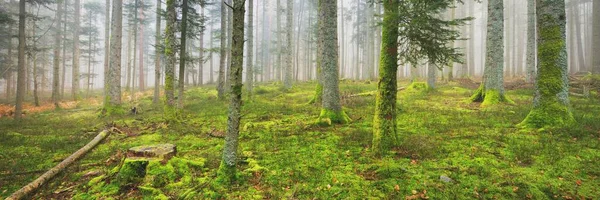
89,72
384,123
370,44
75,82
551,105
212,70
223,53
171,60
113,99
577,23
229,32
56,59
36,98
135,49
201,52
288,50
21,63
531,42
64,51
596,36
250,49
278,65
431,75
157,53
141,43
331,111
227,172
182,52
107,44
491,90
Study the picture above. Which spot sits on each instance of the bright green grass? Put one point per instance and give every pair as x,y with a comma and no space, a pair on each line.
285,155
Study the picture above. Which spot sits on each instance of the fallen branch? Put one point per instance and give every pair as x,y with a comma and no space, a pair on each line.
26,190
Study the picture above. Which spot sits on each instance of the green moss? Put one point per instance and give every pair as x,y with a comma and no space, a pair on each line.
327,117
152,193
547,115
226,175
489,97
317,98
423,86
159,175
132,171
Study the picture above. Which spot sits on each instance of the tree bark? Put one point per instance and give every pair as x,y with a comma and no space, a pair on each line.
182,53
76,53
223,53
384,124
113,99
551,106
491,90
157,52
531,43
250,49
227,170
56,59
331,111
107,45
171,60
21,79
287,82
596,36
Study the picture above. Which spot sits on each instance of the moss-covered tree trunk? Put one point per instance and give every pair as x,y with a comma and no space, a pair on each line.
182,53
171,60
431,76
331,111
157,55
114,69
384,124
491,90
530,63
227,171
106,44
222,54
250,49
551,105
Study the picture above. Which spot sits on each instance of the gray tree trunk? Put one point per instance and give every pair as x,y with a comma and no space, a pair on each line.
331,112
431,75
157,52
287,82
531,42
182,53
278,65
56,58
114,70
227,171
170,46
491,90
201,52
223,53
250,49
75,66
107,44
21,63
596,36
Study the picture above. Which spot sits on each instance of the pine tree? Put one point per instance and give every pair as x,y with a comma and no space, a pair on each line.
171,59
113,98
551,106
21,63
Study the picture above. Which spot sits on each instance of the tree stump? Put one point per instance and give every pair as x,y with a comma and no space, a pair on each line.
139,158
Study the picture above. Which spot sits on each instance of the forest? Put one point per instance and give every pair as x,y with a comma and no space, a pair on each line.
299,99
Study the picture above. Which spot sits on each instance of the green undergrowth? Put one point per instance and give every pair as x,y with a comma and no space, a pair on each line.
449,148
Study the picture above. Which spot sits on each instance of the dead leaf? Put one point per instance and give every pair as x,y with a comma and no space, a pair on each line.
397,187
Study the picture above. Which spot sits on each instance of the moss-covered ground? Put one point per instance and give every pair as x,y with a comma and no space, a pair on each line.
449,149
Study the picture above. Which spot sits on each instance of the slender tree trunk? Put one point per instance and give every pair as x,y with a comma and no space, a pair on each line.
182,52
288,50
551,105
107,45
491,90
64,51
56,59
342,38
596,36
229,32
171,60
212,70
580,53
75,83
278,65
223,53
36,97
531,42
201,53
384,123
157,53
141,43
250,49
113,99
331,110
21,63
129,60
227,171
431,75
135,49
89,72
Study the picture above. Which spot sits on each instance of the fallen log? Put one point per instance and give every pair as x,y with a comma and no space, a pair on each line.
29,188
371,93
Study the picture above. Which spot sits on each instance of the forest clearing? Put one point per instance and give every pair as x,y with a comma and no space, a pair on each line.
299,99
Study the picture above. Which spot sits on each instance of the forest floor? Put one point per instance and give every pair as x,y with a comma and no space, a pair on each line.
450,149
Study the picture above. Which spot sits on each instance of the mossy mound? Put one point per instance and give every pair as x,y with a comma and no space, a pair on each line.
148,178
